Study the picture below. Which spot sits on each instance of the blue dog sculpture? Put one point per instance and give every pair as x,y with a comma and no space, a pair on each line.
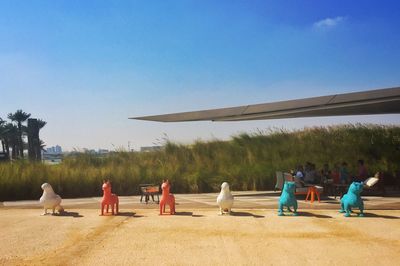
353,199
288,198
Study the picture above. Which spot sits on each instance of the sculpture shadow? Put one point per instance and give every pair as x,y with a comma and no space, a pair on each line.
373,215
128,214
331,201
187,214
69,214
277,193
309,214
246,214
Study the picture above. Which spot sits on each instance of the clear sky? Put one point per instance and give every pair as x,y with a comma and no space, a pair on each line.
86,66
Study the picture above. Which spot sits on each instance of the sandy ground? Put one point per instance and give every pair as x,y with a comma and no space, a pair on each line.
201,237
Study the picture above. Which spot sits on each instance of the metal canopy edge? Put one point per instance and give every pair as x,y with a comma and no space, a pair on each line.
381,101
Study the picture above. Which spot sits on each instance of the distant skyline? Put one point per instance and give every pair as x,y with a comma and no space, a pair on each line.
86,66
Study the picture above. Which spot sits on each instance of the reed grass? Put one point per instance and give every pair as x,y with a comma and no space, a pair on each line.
248,162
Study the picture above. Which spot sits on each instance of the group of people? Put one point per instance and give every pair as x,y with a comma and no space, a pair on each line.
338,175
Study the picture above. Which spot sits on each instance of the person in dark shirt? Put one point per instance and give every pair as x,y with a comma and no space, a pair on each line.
362,172
344,174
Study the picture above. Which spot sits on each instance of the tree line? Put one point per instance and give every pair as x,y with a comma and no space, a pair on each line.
21,133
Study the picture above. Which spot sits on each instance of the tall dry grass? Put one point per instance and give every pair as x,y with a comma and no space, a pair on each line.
247,162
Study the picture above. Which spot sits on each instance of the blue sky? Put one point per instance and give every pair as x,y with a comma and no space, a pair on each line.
86,66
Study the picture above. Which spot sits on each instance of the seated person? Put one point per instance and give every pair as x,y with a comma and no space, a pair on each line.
362,172
344,174
298,181
335,176
299,173
311,176
326,175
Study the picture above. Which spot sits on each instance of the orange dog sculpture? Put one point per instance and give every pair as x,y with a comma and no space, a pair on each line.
109,199
167,198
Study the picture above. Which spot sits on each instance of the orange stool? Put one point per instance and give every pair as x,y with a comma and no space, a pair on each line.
312,191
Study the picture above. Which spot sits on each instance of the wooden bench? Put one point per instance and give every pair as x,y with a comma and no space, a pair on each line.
149,190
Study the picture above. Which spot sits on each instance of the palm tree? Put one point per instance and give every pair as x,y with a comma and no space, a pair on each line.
19,116
41,123
40,146
11,139
35,144
2,134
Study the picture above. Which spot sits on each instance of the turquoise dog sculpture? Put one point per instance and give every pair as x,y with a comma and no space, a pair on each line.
352,199
288,198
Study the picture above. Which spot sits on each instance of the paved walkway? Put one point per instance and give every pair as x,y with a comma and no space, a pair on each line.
243,200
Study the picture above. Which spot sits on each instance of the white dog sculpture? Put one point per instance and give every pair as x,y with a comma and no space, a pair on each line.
225,199
50,200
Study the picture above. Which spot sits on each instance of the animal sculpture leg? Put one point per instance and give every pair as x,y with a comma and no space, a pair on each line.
295,208
112,209
45,211
108,205
54,210
342,208
220,211
173,208
347,209
361,214
161,208
172,205
280,210
60,209
102,208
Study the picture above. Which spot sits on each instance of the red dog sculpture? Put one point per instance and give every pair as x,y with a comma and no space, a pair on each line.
109,198
167,198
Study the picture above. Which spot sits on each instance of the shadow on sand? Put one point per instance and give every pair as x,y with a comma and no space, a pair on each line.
68,214
309,214
187,214
248,214
373,215
129,214
272,193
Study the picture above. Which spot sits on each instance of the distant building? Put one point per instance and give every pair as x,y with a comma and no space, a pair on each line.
54,150
150,148
103,151
52,155
58,149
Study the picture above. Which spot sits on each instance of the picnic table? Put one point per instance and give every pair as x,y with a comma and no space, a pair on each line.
149,190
